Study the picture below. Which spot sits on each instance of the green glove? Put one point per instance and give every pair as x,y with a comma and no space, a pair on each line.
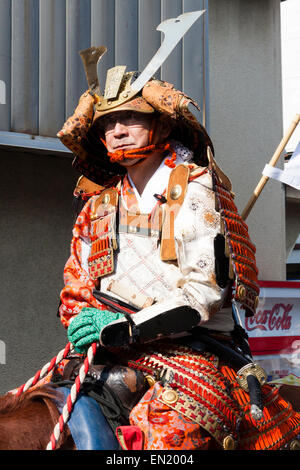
87,325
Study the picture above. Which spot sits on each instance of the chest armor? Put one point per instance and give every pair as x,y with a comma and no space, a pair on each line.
134,247
142,248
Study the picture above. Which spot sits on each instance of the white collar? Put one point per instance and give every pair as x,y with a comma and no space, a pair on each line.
158,182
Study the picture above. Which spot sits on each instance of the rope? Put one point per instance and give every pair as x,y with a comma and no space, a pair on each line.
45,370
72,397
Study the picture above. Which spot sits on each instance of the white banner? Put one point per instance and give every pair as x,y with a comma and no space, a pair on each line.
291,173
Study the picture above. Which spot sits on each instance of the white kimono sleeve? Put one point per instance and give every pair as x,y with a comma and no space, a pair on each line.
196,227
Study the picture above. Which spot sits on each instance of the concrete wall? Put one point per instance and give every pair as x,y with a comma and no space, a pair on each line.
36,222
246,115
43,73
36,190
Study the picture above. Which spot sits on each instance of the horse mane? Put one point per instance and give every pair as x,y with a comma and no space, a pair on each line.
27,421
11,402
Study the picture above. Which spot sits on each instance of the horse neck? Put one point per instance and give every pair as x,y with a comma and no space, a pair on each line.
26,428
28,422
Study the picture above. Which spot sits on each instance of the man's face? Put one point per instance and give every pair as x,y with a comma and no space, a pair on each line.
126,130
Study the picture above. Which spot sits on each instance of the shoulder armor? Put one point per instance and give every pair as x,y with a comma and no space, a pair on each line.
213,167
103,233
84,186
239,248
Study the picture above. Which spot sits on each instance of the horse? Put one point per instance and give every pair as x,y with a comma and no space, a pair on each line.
27,421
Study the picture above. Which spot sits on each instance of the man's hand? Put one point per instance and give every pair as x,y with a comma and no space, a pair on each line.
87,325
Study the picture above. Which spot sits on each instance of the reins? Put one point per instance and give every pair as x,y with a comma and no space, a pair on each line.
72,397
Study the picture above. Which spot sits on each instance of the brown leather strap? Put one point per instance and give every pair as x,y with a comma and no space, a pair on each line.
106,202
176,192
86,186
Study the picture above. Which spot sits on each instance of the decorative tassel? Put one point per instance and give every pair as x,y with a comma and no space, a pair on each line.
171,162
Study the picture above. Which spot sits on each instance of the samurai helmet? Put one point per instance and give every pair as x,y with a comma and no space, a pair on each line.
118,95
129,90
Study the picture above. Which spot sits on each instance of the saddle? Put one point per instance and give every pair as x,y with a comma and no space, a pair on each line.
107,397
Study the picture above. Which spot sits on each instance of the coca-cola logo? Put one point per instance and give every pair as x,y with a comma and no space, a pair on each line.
277,318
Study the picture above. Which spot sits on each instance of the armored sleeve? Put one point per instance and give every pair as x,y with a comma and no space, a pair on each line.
78,289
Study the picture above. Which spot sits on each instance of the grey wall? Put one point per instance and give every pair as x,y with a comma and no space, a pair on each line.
42,70
36,190
246,115
36,223
44,78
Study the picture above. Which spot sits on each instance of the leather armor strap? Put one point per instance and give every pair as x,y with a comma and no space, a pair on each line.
176,192
106,202
85,187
